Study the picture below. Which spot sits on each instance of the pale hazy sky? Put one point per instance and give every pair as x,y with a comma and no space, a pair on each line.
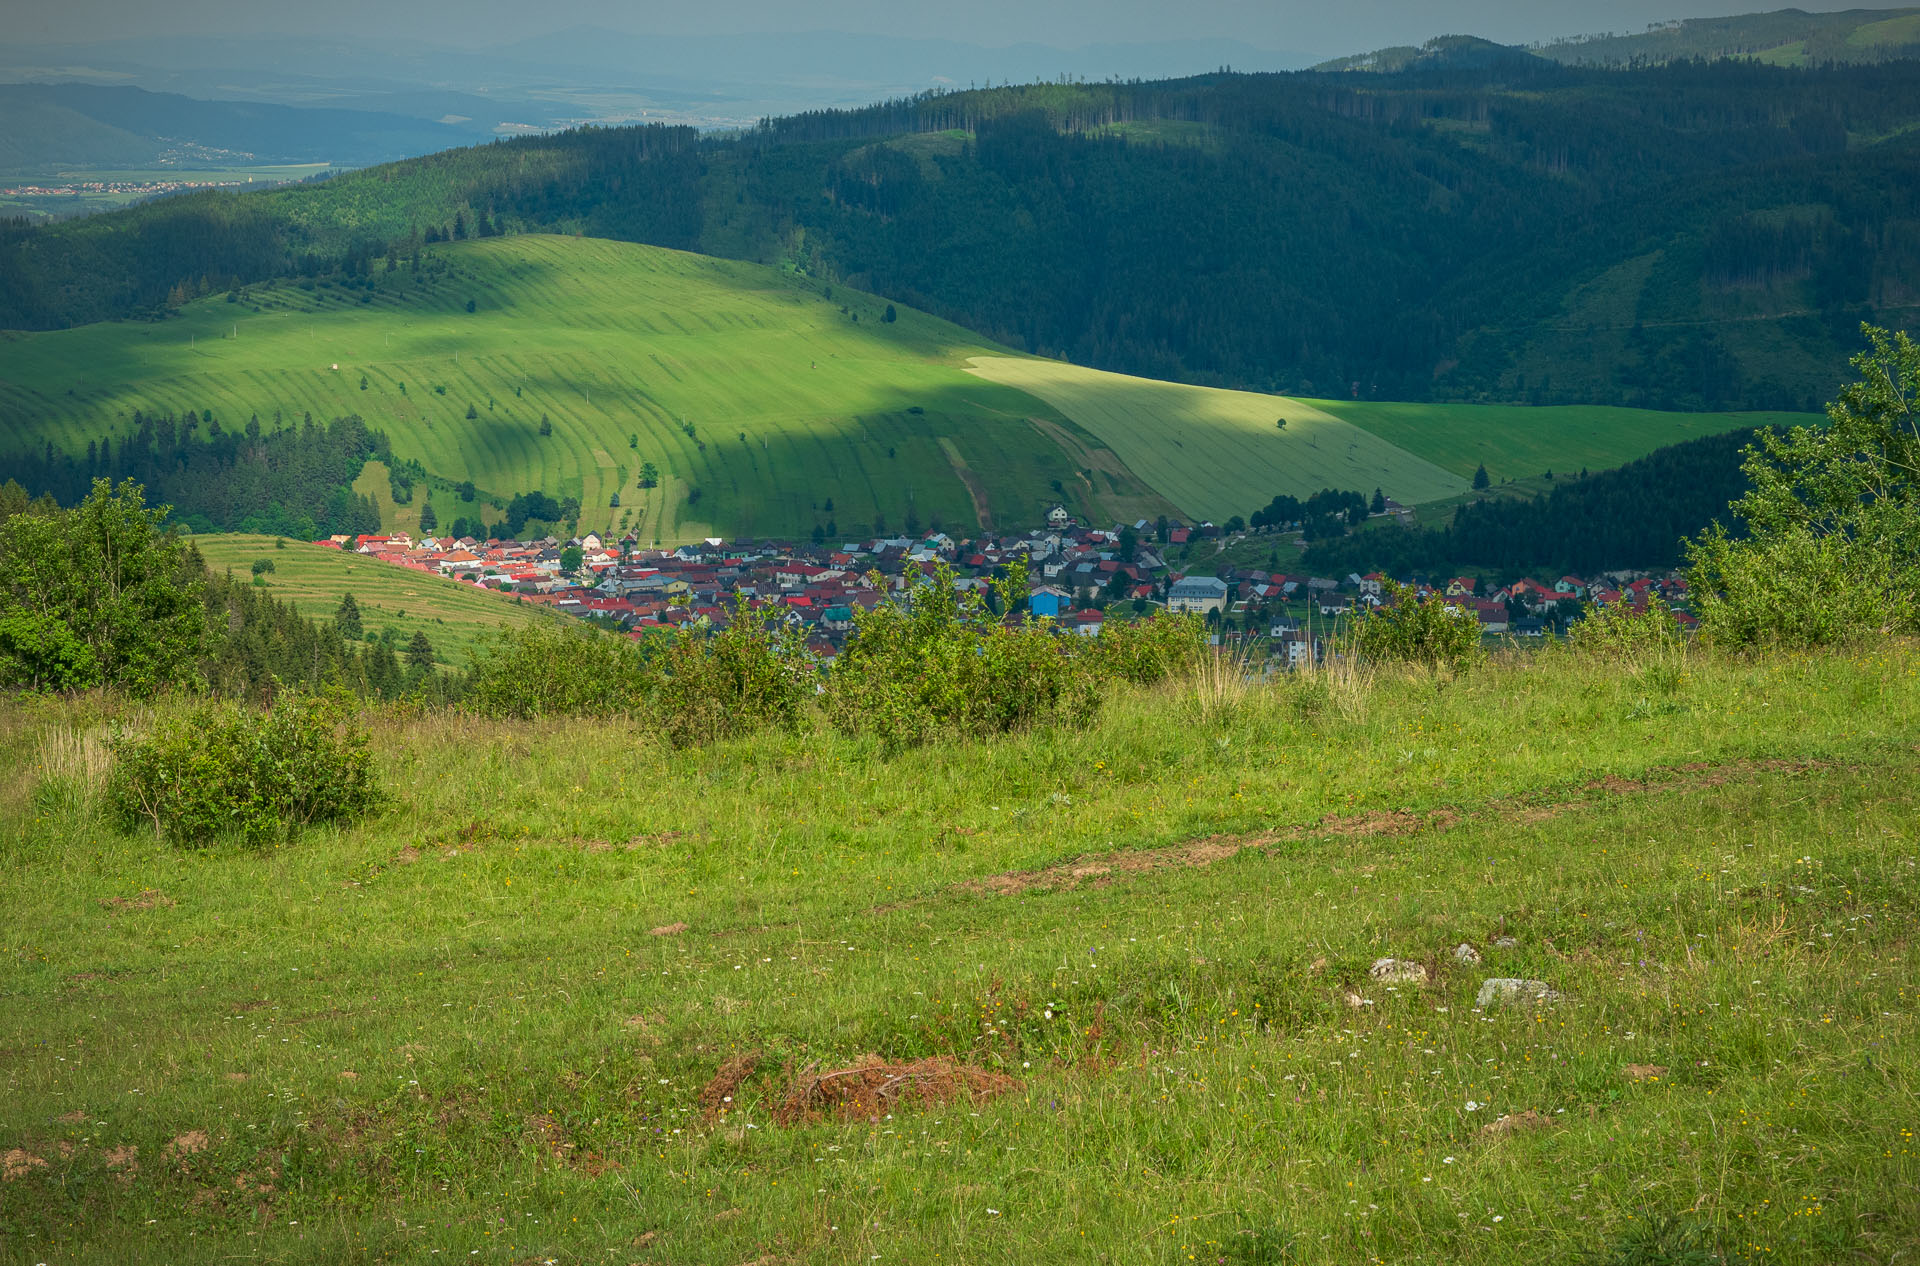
1303,25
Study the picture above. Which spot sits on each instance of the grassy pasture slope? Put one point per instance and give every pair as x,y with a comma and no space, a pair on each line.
1516,441
448,1034
608,340
1216,453
452,615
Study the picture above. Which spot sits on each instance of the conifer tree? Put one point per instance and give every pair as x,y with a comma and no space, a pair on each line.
347,618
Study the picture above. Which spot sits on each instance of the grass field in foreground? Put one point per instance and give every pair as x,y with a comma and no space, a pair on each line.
801,415
455,617
470,1029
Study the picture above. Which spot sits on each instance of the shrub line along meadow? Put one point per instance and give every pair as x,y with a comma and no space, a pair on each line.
482,1020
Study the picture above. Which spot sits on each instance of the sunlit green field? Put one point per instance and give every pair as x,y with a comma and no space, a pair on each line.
1517,441
454,616
487,1024
624,349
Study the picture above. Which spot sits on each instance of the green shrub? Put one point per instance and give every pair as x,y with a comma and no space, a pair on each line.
219,771
744,678
549,670
1833,518
1146,651
943,663
1415,630
1621,632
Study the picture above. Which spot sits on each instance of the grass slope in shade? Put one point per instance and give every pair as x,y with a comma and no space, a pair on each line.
452,1032
454,616
1516,441
792,403
1216,453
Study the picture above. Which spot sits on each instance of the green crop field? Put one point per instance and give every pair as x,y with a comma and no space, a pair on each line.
313,578
576,997
1516,441
792,403
1217,453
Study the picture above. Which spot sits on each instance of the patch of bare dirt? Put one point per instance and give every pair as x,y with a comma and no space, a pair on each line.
543,1128
71,1118
872,1087
149,899
716,1100
659,839
667,929
1515,1123
1643,1072
192,1143
17,1163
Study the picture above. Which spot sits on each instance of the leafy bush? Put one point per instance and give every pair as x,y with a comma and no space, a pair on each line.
219,770
547,670
1415,630
1621,632
747,677
1833,517
1146,651
945,664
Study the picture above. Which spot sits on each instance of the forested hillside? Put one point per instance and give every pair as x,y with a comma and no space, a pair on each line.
1635,516
1693,236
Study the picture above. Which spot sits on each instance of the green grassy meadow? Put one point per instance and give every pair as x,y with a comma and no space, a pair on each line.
1518,441
486,1024
1216,453
454,616
792,403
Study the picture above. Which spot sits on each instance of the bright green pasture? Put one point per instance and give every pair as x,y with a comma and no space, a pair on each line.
1217,453
1517,440
454,616
452,1033
792,403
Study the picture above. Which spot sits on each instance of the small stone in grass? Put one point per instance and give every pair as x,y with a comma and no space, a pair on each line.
1506,942
1465,953
1511,989
1397,971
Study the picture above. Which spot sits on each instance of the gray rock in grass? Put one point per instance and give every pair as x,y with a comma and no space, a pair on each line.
1506,942
1397,971
1465,953
1504,989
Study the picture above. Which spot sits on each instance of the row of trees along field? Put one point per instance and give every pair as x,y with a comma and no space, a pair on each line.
103,595
292,480
1635,516
1252,230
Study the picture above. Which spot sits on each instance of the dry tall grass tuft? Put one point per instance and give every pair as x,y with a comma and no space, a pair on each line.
1218,689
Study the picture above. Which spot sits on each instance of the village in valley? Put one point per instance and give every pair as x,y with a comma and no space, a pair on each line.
1076,576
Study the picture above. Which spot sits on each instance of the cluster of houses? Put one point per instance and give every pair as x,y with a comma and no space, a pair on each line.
1076,576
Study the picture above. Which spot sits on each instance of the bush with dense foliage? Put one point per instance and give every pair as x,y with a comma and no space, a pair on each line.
221,771
1146,651
1833,520
749,676
940,662
1410,629
99,595
542,670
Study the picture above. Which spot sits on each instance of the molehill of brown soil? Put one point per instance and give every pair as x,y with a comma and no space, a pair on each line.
873,1087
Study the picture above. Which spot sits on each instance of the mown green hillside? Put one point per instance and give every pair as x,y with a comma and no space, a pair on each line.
454,616
1785,37
765,405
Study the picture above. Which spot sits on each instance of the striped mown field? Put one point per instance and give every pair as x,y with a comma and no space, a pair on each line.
764,407
455,617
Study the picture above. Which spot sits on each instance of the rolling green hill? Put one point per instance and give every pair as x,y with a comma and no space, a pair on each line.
454,616
766,406
766,403
1785,37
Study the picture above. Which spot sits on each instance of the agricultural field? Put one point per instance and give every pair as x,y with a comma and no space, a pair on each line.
1519,441
763,406
1217,453
576,997
313,578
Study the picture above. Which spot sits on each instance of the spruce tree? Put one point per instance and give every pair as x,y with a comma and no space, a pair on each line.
1480,479
347,618
428,519
420,651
